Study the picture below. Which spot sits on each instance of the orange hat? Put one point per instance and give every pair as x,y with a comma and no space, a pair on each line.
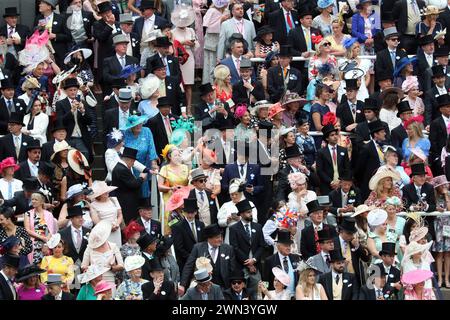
275,109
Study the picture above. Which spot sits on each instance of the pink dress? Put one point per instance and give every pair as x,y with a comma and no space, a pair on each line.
30,293
187,69
197,4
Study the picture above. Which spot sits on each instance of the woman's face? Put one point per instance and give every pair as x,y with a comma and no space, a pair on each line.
236,197
278,116
64,154
263,113
325,49
409,67
391,210
356,49
325,95
103,197
58,250
246,118
37,107
381,229
137,129
228,79
387,183
410,132
155,95
413,93
3,221
417,256
134,237
107,295
8,171
32,281
293,107
275,61
290,138
278,285
136,273
329,9
36,202
39,70
419,286
392,158
336,28
267,38
304,128
175,156
311,279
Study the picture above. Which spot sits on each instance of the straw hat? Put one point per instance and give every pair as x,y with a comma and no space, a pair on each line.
221,72
281,276
133,262
63,145
99,234
103,286
361,209
30,83
376,217
437,181
413,248
430,10
54,241
78,162
203,263
99,188
416,276
418,234
182,16
381,174
92,272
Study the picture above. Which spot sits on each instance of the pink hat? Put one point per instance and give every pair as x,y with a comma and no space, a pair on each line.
9,162
416,276
439,181
103,286
275,109
177,198
281,276
410,83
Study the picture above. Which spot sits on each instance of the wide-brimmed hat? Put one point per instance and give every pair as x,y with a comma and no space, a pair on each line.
387,248
133,121
416,276
145,240
284,237
413,248
443,100
53,278
114,138
396,90
54,241
418,234
103,286
16,117
130,70
313,206
85,51
403,106
418,169
76,190
402,63
281,276
182,16
361,209
177,198
99,188
376,217
285,131
147,4
381,174
348,224
275,109
243,206
290,97
78,162
220,3
150,83
211,231
30,83
427,39
7,163
439,181
99,234
30,270
322,4
258,105
430,10
11,12
266,29
202,276
104,6
57,148
92,272
336,255
133,262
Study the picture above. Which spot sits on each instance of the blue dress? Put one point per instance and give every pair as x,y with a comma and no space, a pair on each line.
307,148
145,108
423,144
146,153
322,110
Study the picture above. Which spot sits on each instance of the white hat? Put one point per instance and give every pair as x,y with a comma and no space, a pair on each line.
86,54
99,234
92,272
58,147
148,86
202,276
182,16
413,248
260,104
235,184
99,188
281,276
285,131
361,209
54,241
376,217
203,263
133,262
77,162
381,174
76,189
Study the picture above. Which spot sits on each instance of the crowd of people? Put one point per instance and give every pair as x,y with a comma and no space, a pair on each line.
314,166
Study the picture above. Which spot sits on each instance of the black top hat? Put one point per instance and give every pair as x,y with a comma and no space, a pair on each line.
11,12
284,237
145,240
371,104
304,13
70,83
346,176
336,256
423,41
348,224
387,248
313,206
267,127
11,260
147,4
16,117
205,89
266,29
211,231
403,106
118,83
7,84
324,235
443,100
46,168
351,84
190,205
437,71
327,130
375,126
59,125
144,203
104,6
285,51
441,51
383,75
162,42
164,244
28,271
34,144
237,275
30,184
292,152
225,124
387,17
155,265
156,64
243,206
74,211
129,153
164,102
417,169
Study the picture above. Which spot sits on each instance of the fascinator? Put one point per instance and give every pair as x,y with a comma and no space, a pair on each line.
349,42
35,51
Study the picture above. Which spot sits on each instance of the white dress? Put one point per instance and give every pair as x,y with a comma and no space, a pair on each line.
283,295
315,293
16,185
390,117
226,210
299,205
187,69
108,211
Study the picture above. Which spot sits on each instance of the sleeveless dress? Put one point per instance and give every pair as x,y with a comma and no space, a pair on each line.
108,211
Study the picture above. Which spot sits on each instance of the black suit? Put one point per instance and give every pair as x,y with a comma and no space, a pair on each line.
201,113
174,66
367,294
7,148
392,277
19,201
284,187
241,95
138,25
183,239
128,191
275,82
19,106
358,256
362,130
277,20
11,68
104,34
146,268
324,164
23,32
336,199
174,94
5,290
229,294
398,134
63,40
368,163
65,296
444,19
344,113
111,119
424,72
438,137
24,171
431,105
274,261
167,287
112,68
350,287
253,177
383,62
155,227
158,129
66,235
242,244
47,150
308,244
400,15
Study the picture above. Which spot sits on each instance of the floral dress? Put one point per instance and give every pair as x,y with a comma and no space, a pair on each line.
128,250
442,242
315,62
130,288
307,148
373,199
41,228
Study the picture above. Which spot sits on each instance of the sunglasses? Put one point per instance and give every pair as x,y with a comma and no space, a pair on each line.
394,39
327,44
236,282
202,180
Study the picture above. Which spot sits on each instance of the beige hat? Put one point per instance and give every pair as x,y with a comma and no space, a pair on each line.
203,263
182,16
361,209
418,233
77,161
148,86
63,145
30,83
99,234
133,262
54,240
99,188
381,174
413,248
92,272
430,10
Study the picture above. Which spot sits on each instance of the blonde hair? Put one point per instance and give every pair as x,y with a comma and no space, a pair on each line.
39,196
303,281
320,45
221,72
380,187
417,128
349,52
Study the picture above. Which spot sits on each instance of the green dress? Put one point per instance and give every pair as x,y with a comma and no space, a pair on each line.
87,292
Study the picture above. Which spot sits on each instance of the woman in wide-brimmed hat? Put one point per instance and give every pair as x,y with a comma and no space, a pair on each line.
403,68
244,130
291,102
414,282
59,159
149,93
281,281
308,288
130,289
276,115
105,290
323,20
383,186
89,279
299,197
175,204
79,172
30,287
417,257
76,195
378,233
391,156
8,184
429,25
411,89
265,44
361,224
104,207
287,139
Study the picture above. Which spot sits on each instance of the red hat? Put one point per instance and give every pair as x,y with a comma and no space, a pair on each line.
9,162
132,228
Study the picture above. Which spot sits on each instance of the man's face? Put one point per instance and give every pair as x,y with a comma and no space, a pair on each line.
338,266
369,115
388,259
147,13
346,185
429,48
246,73
351,94
145,213
238,11
385,84
14,128
215,241
200,184
164,51
160,73
44,7
11,21
419,179
54,289
34,155
392,42
333,138
121,48
126,27
380,135
439,81
165,110
327,245
190,215
406,115
237,49
237,285
347,236
288,4
77,221
205,286
8,93
285,61
60,134
445,110
316,216
124,106
210,97
306,21
442,61
284,249
247,216
72,92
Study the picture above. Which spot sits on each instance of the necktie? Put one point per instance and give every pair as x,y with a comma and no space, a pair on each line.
337,279
10,32
307,39
353,107
242,169
285,71
238,66
327,260
344,199
419,194
9,106
393,57
122,61
213,254
239,296
78,239
289,21
285,265
167,124
316,238
194,232
379,293
167,67
380,153
202,196
204,296
17,145
247,229
334,155
10,191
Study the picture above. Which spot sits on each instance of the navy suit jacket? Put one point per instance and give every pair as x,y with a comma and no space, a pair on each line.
139,25
253,176
234,73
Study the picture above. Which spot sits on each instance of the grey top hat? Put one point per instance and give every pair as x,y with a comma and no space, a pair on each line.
202,276
126,18
125,95
120,38
54,278
245,63
53,3
390,32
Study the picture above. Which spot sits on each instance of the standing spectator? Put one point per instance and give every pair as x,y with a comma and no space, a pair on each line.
36,122
14,143
439,133
390,59
7,273
323,21
14,32
365,25
406,15
8,184
131,289
79,22
283,20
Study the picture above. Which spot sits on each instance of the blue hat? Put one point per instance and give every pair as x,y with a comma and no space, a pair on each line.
133,121
114,138
8,243
322,4
129,70
178,136
402,64
349,42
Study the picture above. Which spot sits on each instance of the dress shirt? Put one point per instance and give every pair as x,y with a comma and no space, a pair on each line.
429,58
59,296
214,259
239,25
33,168
148,27
75,235
122,60
330,147
318,227
235,59
13,107
123,116
307,35
76,129
442,90
334,274
325,256
446,121
344,198
147,225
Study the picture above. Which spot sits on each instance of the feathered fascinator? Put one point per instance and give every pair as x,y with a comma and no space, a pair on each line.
132,228
416,217
419,118
114,138
316,39
286,218
349,42
236,185
166,150
324,69
35,51
241,109
184,123
329,118
394,201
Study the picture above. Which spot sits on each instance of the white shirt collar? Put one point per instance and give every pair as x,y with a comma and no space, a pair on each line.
445,118
285,11
330,147
238,21
282,257
320,226
75,229
334,274
59,295
151,19
144,221
31,164
324,255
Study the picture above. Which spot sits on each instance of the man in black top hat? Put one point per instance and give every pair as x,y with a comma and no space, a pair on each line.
384,81
15,33
14,144
247,90
10,266
441,56
387,59
283,77
171,64
8,104
30,167
221,255
398,134
283,21
238,290
148,21
247,239
187,232
345,198
387,254
437,89
22,199
45,176
72,112
350,112
165,289
128,186
439,134
147,243
309,246
59,134
145,219
332,160
321,261
371,111
425,60
210,111
79,22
